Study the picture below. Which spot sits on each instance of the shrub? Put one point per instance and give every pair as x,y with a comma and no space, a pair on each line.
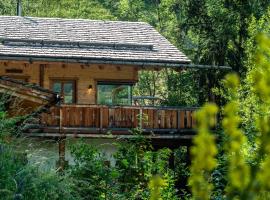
247,177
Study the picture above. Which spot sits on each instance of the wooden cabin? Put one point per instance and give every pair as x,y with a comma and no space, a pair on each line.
93,65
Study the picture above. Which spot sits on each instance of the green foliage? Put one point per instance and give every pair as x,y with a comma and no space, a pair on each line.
155,185
203,154
135,165
247,176
238,170
20,180
93,178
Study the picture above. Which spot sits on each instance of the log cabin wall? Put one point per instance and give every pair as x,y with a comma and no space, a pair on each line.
84,75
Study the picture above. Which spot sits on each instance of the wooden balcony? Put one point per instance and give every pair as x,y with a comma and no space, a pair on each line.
108,121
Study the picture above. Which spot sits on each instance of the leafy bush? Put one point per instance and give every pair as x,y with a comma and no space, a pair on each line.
19,179
135,165
247,176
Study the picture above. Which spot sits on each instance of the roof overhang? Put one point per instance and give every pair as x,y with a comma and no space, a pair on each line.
28,97
86,60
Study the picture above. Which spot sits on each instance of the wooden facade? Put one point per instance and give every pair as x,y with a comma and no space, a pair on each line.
84,117
83,75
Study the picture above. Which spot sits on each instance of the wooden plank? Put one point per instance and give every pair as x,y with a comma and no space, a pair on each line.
156,118
77,113
88,118
145,119
105,117
55,121
188,116
72,116
167,119
136,118
151,118
193,123
123,117
91,116
129,117
117,116
65,119
84,119
162,119
111,118
174,119
182,119
97,117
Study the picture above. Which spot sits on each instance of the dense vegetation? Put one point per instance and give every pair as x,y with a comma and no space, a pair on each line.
214,32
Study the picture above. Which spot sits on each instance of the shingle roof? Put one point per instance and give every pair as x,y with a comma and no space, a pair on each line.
90,41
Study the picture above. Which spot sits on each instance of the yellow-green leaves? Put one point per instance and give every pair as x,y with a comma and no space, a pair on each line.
245,181
155,185
203,153
232,82
261,74
239,170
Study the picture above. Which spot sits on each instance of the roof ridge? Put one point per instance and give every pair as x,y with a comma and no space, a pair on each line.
78,44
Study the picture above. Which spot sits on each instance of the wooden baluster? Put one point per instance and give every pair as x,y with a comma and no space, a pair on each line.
193,124
162,119
105,118
182,119
174,119
100,118
188,119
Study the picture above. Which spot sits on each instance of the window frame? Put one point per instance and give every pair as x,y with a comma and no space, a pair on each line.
62,81
114,82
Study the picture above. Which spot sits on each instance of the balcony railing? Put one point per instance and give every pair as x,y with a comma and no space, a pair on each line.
99,118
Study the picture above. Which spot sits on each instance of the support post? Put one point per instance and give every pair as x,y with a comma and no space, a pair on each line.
62,142
62,149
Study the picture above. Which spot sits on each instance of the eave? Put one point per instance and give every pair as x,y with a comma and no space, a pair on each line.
137,62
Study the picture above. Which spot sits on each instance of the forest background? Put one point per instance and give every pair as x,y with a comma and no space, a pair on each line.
209,32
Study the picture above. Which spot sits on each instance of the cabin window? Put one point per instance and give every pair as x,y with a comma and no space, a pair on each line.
66,89
114,93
